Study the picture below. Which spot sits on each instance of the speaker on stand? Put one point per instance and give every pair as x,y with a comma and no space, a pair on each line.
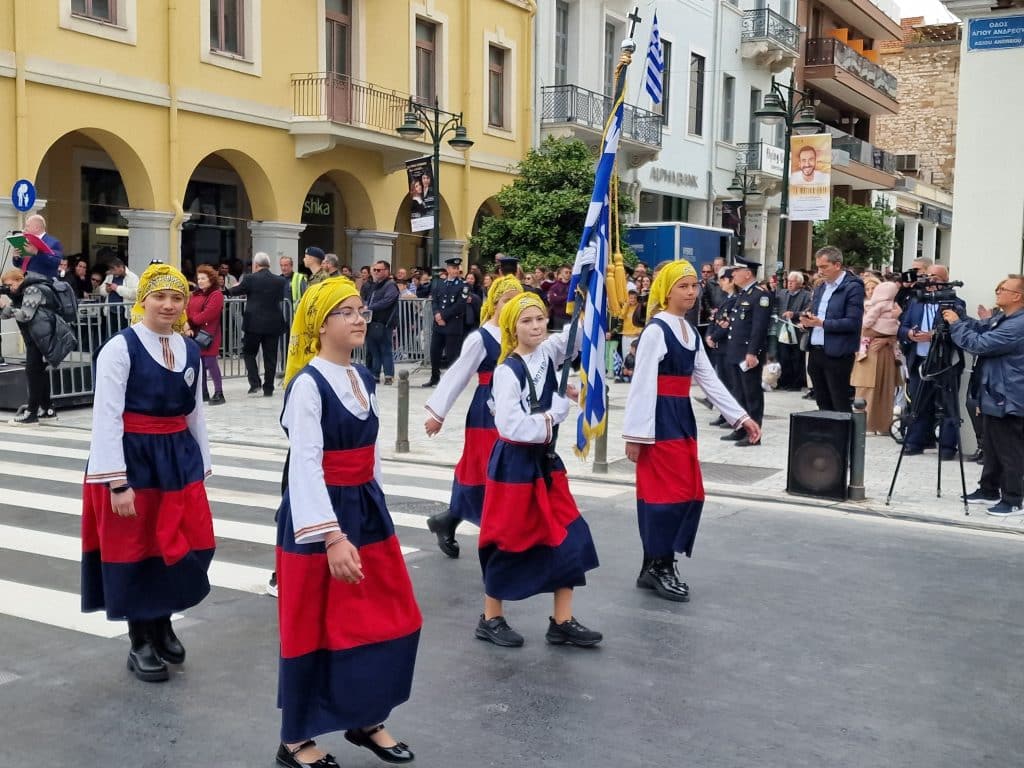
819,454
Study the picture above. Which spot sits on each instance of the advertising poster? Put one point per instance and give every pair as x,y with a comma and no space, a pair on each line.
421,192
810,177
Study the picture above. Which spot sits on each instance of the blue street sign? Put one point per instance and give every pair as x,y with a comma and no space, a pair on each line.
996,33
23,195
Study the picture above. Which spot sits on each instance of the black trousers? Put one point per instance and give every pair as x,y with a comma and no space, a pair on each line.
923,398
831,379
251,344
745,386
37,378
1003,471
448,346
794,371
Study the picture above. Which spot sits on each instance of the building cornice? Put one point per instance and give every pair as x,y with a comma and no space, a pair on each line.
970,8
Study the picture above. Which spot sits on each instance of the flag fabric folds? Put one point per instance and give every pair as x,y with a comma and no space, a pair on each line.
655,65
593,251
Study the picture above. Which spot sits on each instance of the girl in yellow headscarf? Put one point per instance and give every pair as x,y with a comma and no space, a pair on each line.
661,432
532,537
348,619
146,521
479,355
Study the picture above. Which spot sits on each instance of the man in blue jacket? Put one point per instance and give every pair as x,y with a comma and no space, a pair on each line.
999,343
834,320
31,260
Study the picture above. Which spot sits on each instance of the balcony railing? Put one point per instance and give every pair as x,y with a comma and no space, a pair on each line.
829,51
572,104
760,156
764,23
340,99
863,151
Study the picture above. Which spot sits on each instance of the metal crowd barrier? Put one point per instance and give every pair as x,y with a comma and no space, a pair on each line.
98,321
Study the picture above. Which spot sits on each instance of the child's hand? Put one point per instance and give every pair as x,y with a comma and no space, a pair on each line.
572,393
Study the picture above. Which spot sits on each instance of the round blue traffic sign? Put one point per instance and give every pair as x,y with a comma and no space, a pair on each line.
23,195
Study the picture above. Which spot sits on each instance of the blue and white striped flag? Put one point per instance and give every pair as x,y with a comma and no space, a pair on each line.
655,64
593,250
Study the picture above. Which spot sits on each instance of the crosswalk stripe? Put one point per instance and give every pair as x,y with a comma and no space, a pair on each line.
53,607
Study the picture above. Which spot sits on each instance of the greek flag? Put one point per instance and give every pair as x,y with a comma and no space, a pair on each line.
655,64
593,250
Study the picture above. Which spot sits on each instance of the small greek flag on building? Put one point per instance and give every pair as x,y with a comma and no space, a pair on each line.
593,250
655,65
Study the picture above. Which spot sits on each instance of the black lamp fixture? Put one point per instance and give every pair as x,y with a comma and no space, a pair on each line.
743,185
437,124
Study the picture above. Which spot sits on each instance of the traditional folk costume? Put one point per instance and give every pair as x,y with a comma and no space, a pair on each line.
532,536
479,355
659,416
148,434
347,650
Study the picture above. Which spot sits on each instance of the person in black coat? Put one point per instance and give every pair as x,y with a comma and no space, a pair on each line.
449,300
262,323
790,303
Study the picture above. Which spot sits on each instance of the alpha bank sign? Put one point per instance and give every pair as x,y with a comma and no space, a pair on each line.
995,33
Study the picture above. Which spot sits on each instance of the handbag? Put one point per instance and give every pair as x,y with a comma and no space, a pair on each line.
203,338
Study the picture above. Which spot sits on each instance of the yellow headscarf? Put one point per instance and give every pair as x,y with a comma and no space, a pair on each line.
160,277
667,276
310,315
510,316
499,287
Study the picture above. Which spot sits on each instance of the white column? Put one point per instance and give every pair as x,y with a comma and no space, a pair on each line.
909,241
928,239
369,246
148,238
276,239
451,249
944,246
11,218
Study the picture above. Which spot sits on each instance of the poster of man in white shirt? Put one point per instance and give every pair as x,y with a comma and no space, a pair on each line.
810,177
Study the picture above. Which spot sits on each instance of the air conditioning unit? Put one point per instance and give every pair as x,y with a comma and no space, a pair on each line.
907,163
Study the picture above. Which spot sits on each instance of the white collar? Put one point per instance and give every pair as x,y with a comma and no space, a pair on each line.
142,329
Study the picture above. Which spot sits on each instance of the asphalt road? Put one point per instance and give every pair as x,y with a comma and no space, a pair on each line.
812,639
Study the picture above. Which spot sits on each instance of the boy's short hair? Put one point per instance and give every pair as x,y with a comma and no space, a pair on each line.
634,293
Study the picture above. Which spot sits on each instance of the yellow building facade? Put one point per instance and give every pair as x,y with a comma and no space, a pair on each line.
206,130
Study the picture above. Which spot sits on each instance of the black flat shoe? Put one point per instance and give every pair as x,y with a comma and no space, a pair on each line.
571,632
443,526
143,661
744,442
498,631
398,753
735,435
661,577
719,422
167,645
286,757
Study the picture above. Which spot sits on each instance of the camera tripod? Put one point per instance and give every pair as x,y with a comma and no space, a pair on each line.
941,372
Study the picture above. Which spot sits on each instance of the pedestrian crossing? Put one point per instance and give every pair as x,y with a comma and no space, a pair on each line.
41,473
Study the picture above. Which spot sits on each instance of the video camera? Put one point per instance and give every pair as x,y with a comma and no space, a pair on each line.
929,291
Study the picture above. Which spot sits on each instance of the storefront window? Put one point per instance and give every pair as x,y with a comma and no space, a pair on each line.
211,233
103,195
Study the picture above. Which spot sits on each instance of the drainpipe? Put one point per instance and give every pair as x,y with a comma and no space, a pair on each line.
713,138
467,99
176,195
532,126
20,98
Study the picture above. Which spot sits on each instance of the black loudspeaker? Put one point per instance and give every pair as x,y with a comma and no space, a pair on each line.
819,454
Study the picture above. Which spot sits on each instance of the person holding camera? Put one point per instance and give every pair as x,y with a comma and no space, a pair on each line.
917,328
999,344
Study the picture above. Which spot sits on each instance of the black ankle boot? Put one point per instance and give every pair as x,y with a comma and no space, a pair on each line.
443,526
166,644
143,660
643,570
662,578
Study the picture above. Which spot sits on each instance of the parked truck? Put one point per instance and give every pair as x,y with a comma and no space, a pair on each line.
654,242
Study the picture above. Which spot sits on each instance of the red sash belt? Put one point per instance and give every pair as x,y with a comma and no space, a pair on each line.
484,379
142,423
673,386
351,467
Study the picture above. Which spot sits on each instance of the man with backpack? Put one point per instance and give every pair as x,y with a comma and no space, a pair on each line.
39,305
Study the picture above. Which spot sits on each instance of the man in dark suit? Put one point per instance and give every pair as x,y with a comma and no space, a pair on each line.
30,259
449,306
833,320
747,344
915,334
262,322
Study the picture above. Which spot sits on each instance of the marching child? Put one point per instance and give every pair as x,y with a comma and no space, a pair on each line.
479,355
348,619
532,537
661,433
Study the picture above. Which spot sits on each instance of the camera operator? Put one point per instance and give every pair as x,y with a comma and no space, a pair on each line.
917,328
999,344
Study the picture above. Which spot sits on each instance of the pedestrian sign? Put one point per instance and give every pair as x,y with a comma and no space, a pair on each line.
23,195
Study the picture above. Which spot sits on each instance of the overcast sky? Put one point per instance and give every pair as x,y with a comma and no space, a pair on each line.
934,12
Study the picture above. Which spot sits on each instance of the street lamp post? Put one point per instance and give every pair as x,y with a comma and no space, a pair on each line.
795,109
420,118
744,186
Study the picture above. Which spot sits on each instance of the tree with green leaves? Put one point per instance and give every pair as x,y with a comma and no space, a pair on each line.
859,231
544,209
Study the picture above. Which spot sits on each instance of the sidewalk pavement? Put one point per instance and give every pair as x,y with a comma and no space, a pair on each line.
757,473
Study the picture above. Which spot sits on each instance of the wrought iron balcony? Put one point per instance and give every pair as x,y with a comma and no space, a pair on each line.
561,104
760,156
863,152
830,52
766,24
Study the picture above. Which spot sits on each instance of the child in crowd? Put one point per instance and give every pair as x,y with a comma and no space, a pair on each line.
630,362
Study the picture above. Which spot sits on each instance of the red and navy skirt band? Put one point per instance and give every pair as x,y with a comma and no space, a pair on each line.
484,378
145,424
674,386
353,466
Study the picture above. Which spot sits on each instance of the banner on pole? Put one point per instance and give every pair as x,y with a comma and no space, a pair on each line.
810,177
423,206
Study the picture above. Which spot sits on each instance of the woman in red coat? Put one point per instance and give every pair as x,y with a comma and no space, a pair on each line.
204,314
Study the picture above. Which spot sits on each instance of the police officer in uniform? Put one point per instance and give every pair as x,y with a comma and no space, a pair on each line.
449,305
747,343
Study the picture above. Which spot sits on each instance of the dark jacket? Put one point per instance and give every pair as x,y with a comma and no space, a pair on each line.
912,318
749,318
263,291
999,343
843,317
381,298
33,306
41,263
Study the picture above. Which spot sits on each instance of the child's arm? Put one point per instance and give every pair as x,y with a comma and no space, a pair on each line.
512,421
638,422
